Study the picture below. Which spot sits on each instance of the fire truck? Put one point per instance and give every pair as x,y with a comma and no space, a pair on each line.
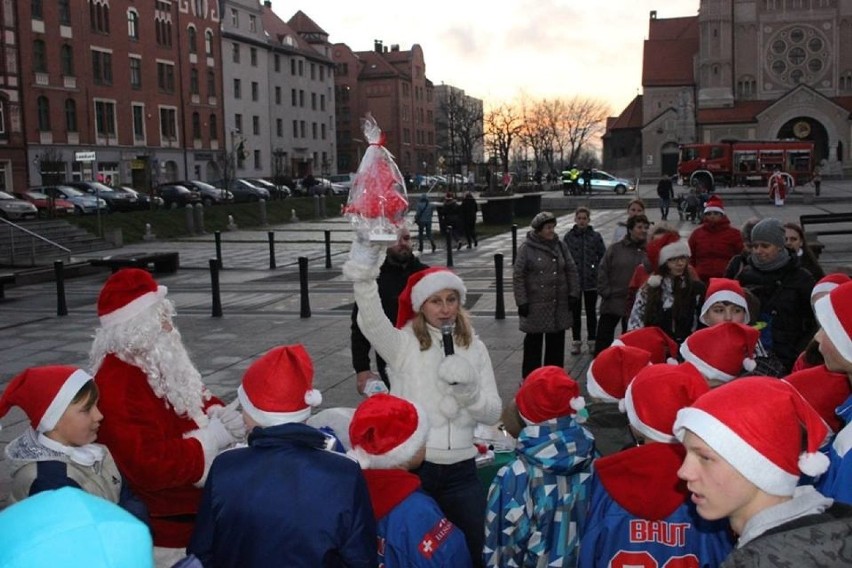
747,162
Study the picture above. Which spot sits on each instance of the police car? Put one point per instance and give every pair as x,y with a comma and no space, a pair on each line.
601,181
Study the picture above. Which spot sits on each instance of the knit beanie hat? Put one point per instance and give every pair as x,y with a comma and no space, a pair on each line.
724,290
541,219
722,351
714,204
612,370
756,424
423,284
834,313
769,230
278,387
126,294
824,391
657,393
44,393
548,392
387,431
828,283
652,339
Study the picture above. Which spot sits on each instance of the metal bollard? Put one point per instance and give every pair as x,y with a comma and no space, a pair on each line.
316,206
190,224
217,235
305,303
500,305
322,206
328,249
263,219
59,272
514,243
199,219
271,236
214,288
449,245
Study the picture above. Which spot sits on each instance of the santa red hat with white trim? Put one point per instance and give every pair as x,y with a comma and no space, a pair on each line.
657,393
834,314
547,393
423,284
824,390
278,387
387,431
714,205
662,249
756,425
724,290
828,283
612,370
654,340
126,294
44,393
722,351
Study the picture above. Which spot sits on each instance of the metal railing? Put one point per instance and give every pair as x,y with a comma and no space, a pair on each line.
33,239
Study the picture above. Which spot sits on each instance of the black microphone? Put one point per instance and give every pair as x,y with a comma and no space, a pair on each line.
447,338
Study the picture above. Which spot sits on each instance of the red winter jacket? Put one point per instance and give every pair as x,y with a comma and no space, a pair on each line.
712,245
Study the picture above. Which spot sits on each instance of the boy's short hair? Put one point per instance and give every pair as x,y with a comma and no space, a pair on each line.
636,201
89,393
635,220
582,209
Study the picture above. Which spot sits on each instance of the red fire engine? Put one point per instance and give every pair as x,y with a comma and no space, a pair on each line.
749,162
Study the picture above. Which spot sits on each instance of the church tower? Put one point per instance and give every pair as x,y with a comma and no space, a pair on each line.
714,65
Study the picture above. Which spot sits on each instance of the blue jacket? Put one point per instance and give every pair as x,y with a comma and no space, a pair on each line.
640,514
537,503
837,481
285,501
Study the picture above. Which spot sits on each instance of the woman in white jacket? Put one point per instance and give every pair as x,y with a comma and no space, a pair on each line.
454,383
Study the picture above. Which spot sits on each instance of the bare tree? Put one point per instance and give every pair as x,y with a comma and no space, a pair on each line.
503,125
583,119
460,117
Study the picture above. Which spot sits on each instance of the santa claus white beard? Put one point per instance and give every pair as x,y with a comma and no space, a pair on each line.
160,354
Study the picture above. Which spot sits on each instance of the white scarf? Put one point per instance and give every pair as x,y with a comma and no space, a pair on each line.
87,455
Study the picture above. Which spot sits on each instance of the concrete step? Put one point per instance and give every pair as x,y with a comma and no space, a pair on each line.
17,247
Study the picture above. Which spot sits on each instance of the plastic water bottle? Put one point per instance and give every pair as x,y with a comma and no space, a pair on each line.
375,386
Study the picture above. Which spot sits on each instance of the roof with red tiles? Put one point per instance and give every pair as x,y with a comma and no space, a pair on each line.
669,51
630,117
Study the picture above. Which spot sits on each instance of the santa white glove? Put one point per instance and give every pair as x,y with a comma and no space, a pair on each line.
231,418
462,378
214,437
364,260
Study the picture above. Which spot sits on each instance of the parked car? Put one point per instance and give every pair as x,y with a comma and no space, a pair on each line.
320,186
175,195
42,201
275,191
601,181
83,202
210,195
244,191
343,179
15,209
116,200
143,200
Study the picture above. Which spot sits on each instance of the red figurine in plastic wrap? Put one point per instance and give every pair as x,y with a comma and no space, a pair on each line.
377,200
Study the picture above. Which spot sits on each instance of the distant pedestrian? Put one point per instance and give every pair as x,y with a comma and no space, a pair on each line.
817,179
665,192
423,218
469,209
587,180
587,249
777,188
714,242
634,207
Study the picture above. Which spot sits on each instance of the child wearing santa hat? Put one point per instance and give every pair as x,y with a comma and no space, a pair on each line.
640,512
59,449
747,445
810,356
723,352
834,314
537,503
286,499
671,297
725,300
435,360
714,242
388,437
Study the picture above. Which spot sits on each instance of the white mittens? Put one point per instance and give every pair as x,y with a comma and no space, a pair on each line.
462,378
231,418
364,261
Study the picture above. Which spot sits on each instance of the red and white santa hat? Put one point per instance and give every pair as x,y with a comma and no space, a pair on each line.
278,387
657,393
547,393
756,424
126,294
662,249
612,370
654,340
824,390
834,313
423,284
714,204
44,393
828,283
724,290
387,431
722,351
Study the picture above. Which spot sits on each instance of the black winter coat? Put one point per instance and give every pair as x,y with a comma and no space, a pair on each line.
587,249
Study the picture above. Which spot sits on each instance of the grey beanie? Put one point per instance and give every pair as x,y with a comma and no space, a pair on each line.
770,231
541,219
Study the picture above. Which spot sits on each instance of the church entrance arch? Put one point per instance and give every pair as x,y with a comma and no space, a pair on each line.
668,159
807,128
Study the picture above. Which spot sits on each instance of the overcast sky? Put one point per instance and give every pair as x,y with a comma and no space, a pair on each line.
494,49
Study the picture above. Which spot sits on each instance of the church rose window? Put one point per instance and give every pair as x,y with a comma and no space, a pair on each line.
798,53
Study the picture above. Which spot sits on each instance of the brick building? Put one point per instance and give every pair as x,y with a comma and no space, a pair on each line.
13,157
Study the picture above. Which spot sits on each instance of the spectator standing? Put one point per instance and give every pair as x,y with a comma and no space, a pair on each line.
545,285
587,180
451,220
714,242
614,273
811,356
737,263
634,207
286,499
817,179
665,191
777,186
587,250
469,209
794,239
423,218
399,264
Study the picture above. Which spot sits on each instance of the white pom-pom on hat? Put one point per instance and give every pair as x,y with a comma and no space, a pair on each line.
813,463
655,280
749,364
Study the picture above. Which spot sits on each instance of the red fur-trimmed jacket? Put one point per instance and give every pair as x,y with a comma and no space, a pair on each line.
711,246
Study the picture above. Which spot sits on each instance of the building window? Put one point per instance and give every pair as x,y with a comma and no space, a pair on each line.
2,118
255,125
99,16
252,23
39,57
314,130
101,67
322,73
255,91
313,101
194,88
105,118
132,24
211,83
322,102
43,107
37,9
294,98
293,67
238,122
279,127
70,115
64,11
277,60
301,98
235,52
235,18
278,95
238,89
66,60
323,131
163,31
166,77
138,122
168,123
136,72
313,71
196,126
257,159
214,127
301,68
295,129
192,37
253,56
208,43
301,129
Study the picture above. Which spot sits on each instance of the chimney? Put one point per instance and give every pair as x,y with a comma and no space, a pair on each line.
267,4
377,45
653,14
395,47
